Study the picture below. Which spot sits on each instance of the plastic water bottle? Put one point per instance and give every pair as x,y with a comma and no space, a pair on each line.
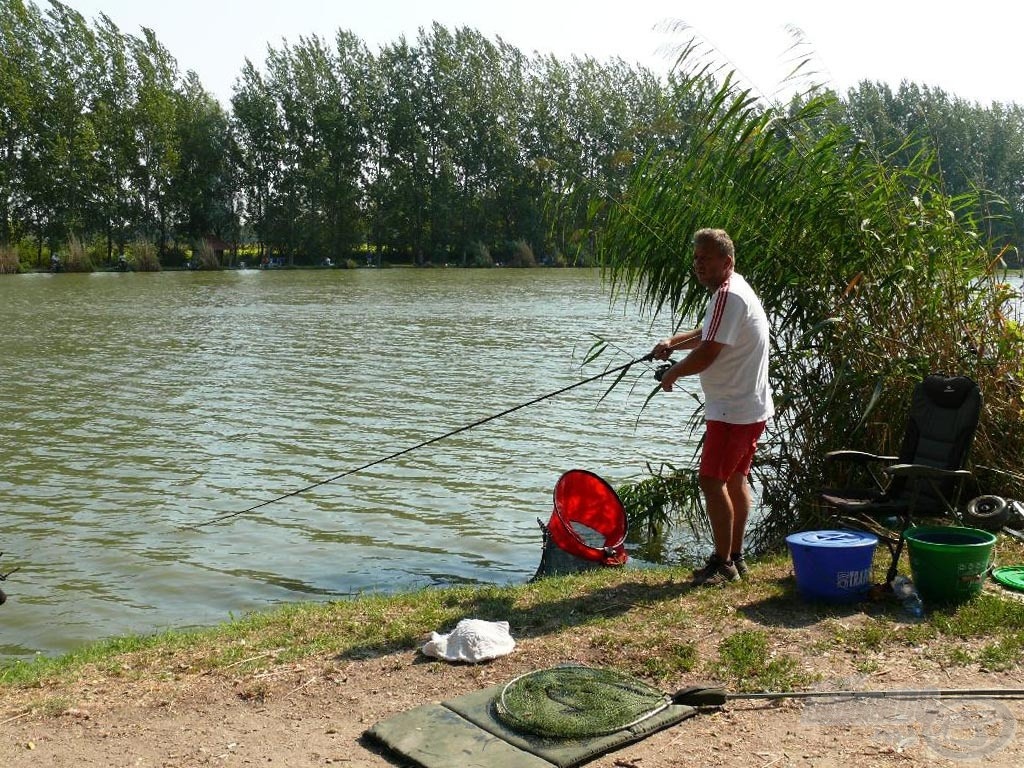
906,592
913,605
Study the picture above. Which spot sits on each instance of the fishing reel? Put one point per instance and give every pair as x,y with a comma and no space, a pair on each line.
994,513
661,370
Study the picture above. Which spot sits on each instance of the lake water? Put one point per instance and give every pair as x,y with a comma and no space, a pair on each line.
136,405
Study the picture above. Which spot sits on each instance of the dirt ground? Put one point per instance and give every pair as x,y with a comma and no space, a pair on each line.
315,713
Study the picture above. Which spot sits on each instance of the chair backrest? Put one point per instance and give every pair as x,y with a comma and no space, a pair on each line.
944,415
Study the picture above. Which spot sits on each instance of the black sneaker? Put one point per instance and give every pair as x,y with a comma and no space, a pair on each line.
716,571
740,563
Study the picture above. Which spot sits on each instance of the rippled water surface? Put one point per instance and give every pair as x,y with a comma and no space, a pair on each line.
135,405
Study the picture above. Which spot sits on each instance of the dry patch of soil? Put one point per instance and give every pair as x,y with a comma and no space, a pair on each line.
314,713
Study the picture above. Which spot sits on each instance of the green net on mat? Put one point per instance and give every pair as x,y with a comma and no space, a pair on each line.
573,702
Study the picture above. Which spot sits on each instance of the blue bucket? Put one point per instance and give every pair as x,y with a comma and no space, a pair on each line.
832,566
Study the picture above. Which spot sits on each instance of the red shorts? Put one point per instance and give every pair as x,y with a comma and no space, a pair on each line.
728,449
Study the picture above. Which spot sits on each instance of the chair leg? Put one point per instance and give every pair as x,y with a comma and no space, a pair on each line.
898,550
894,566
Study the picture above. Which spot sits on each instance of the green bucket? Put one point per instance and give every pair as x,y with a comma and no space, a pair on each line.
949,563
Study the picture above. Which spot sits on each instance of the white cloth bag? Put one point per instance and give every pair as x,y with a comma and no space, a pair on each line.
472,640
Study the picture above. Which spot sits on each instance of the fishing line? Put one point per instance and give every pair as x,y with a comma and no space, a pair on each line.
646,358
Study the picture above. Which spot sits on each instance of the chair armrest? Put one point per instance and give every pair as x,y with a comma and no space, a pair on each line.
858,457
922,470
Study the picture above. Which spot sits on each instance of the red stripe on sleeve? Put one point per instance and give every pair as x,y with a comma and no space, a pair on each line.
716,315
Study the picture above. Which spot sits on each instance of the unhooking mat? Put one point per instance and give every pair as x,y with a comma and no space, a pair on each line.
465,732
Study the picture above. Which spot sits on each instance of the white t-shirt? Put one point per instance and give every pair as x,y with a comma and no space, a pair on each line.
735,385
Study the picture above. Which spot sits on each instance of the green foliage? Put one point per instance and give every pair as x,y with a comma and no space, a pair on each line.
663,499
872,277
670,661
976,148
977,617
879,634
949,634
745,657
1003,653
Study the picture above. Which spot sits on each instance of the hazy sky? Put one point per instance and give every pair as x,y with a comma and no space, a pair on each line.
964,51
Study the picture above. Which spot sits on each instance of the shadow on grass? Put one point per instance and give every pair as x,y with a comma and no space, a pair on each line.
553,605
787,608
539,617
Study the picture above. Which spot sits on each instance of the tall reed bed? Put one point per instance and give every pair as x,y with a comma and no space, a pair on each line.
78,258
9,262
206,256
872,275
144,257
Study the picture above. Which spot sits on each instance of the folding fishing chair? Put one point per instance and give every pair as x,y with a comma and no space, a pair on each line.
925,479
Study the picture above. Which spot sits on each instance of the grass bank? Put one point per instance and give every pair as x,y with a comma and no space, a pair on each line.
756,635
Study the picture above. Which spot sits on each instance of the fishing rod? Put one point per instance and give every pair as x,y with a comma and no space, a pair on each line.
646,358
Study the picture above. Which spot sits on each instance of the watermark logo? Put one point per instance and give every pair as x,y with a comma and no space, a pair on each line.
971,572
853,579
953,728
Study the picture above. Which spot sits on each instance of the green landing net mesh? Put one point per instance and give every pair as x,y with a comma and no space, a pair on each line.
573,702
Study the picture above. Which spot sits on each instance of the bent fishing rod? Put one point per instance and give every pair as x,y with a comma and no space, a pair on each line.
622,368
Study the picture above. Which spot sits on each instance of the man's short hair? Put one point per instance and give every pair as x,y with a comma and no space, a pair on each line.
718,239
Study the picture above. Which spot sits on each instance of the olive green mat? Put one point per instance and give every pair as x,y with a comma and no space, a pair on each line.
465,732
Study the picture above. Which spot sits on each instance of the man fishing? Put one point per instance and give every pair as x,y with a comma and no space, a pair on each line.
730,353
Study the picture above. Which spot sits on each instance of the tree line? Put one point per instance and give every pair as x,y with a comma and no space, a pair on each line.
450,148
